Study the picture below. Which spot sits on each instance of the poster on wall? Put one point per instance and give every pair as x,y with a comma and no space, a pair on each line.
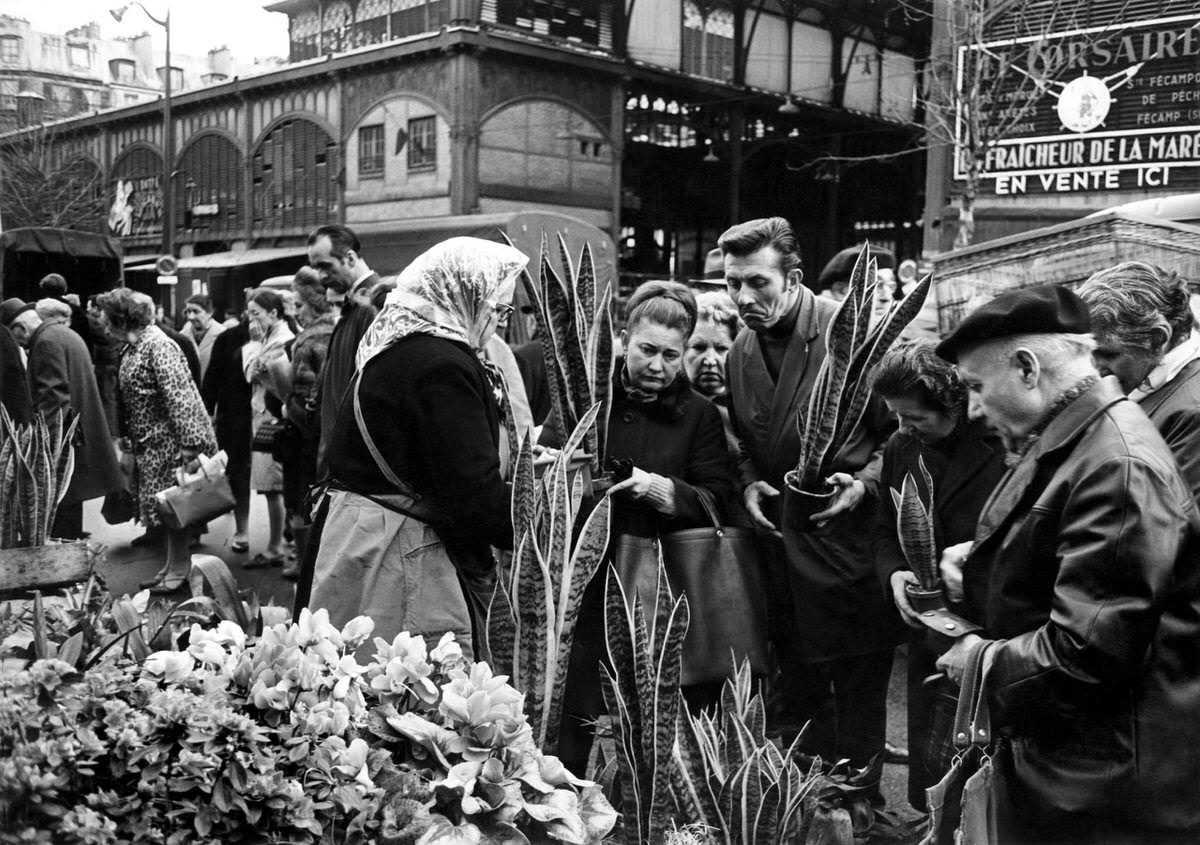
136,207
1113,109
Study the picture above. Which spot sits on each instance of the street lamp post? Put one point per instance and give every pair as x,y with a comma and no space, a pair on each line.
168,195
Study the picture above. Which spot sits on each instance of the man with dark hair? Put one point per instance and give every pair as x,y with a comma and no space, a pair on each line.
836,640
200,328
1085,564
54,286
333,252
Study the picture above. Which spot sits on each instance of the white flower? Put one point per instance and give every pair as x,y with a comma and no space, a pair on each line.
356,631
169,666
446,650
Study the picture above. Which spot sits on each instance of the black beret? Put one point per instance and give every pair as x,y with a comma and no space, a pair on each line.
1046,309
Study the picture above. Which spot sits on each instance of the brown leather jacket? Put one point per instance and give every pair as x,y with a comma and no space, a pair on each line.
1093,584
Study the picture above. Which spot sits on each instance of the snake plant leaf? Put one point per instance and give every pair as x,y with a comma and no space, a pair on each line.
841,392
535,609
600,353
585,286
524,485
914,528
620,695
556,385
585,562
561,312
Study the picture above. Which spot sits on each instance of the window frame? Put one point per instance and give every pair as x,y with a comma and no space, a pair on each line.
428,161
376,158
7,43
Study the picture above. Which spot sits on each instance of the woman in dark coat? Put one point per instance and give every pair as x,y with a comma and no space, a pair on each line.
672,440
965,461
416,498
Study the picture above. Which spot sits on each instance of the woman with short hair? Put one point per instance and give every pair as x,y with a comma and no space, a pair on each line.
670,441
965,461
1143,324
162,416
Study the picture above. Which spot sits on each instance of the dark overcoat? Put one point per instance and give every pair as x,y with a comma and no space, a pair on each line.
14,385
1087,567
840,609
227,395
61,376
1175,411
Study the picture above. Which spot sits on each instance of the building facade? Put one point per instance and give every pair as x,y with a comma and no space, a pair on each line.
48,76
660,121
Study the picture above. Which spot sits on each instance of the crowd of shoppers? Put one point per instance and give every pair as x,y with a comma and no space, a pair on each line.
1053,437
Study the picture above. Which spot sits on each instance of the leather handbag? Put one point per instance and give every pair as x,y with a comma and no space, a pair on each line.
717,568
971,805
196,501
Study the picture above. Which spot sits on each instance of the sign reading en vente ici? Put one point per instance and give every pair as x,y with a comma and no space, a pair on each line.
1112,109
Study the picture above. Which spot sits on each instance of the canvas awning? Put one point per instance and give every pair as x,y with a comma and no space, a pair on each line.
240,258
60,241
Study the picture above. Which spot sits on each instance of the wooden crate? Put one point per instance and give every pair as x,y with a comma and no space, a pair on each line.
44,567
1063,254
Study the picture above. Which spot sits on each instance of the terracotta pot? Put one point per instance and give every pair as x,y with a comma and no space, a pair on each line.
799,505
922,599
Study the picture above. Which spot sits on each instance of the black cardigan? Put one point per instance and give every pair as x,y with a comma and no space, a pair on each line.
430,409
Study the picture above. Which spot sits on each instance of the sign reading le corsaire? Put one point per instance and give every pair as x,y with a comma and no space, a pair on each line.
1112,109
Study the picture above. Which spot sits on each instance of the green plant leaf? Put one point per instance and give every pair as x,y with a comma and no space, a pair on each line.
224,588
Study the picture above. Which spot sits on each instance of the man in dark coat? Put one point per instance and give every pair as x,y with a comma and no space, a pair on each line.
14,386
334,252
1085,563
1142,318
837,668
54,286
61,377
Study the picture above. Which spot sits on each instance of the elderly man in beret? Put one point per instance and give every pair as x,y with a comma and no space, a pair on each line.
1085,563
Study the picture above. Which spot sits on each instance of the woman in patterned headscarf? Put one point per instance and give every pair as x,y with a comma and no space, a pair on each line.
416,498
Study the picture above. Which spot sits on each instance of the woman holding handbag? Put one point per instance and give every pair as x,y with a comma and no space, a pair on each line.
163,418
268,370
964,460
669,443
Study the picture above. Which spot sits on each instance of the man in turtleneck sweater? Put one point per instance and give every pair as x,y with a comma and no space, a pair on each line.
836,639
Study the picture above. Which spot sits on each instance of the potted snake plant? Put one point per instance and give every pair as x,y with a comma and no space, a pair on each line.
855,341
914,529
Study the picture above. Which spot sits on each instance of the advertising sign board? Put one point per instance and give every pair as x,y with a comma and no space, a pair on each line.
1114,108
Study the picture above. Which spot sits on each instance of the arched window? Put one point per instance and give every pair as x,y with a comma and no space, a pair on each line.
208,190
708,39
294,172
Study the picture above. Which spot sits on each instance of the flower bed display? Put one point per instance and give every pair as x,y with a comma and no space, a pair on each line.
283,737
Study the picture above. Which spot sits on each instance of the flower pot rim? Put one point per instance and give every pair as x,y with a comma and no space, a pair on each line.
789,479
